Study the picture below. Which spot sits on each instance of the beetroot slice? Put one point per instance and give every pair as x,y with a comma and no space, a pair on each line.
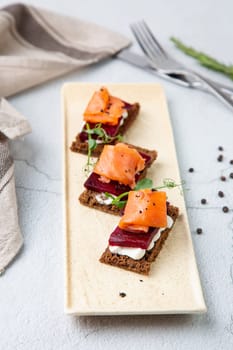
111,130
114,187
124,238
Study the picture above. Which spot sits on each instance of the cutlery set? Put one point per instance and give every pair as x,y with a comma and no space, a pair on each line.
157,61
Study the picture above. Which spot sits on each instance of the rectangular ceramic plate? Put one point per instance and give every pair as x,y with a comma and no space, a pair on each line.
92,288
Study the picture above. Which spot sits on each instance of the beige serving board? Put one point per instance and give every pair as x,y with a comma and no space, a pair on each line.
92,288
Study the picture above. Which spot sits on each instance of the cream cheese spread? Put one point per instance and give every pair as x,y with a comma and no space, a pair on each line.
103,199
138,253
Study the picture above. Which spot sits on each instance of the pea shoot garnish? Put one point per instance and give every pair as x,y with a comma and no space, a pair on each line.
120,202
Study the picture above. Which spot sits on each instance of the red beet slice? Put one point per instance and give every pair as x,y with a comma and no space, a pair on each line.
124,238
114,187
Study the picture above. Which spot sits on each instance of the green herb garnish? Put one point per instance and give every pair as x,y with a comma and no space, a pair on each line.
117,201
204,59
92,143
142,184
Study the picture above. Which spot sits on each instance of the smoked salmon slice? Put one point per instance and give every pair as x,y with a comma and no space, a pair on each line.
104,108
144,209
120,163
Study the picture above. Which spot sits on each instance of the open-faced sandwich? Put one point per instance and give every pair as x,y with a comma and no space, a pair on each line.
117,171
106,118
137,240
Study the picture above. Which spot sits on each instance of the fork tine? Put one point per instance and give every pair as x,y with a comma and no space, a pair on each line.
147,34
137,37
142,40
153,38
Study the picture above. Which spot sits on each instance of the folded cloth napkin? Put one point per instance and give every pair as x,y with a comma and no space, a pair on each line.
12,125
35,46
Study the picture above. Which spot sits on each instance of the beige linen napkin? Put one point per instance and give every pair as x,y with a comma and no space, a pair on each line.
35,46
12,125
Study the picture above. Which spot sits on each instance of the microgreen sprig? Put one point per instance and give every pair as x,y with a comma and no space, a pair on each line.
92,143
100,132
142,184
117,201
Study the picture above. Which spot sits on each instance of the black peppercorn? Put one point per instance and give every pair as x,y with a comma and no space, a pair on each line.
191,170
223,178
220,158
203,201
122,294
220,148
225,209
199,231
220,194
231,175
231,161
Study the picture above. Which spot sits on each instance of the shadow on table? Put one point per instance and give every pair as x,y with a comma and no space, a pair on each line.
94,324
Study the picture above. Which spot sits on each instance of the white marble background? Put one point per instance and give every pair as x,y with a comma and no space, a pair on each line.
31,291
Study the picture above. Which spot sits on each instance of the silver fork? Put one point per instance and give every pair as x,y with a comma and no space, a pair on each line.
165,64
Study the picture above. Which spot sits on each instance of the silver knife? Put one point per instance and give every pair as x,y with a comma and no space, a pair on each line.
184,80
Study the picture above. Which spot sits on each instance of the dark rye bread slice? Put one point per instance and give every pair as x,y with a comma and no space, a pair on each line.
88,197
81,147
143,265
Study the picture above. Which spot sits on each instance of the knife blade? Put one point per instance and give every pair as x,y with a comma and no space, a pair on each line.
141,62
188,81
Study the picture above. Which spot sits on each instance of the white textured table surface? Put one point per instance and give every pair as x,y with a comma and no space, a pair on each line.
31,291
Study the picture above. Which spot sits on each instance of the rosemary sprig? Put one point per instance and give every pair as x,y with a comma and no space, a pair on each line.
204,59
92,143
142,184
